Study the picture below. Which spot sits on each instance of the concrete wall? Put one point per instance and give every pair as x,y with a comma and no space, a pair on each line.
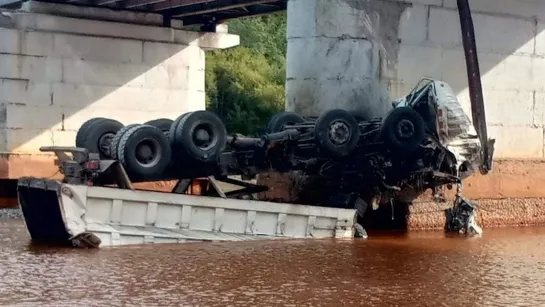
57,72
511,49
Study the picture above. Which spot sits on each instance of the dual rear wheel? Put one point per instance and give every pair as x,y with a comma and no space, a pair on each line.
148,150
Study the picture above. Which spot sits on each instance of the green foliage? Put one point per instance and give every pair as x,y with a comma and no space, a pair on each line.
265,35
245,84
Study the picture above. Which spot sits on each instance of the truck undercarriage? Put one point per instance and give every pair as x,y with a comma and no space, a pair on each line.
426,141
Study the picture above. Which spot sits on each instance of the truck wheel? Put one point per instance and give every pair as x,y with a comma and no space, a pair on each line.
173,127
117,139
144,151
162,123
279,120
82,131
99,135
337,133
403,129
200,136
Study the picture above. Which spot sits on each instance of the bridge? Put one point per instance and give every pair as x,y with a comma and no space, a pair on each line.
62,62
188,11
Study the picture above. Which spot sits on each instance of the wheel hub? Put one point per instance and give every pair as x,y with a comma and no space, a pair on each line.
405,129
105,143
144,153
203,137
339,133
148,153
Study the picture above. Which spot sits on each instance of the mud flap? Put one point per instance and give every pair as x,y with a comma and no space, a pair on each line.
39,200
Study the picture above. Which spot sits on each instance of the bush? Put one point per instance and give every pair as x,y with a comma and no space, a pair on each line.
245,85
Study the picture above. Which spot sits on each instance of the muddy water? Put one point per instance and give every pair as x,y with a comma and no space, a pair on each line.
504,268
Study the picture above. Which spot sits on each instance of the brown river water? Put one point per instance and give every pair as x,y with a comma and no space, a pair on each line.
506,267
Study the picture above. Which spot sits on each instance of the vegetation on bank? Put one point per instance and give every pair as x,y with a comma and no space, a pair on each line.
245,85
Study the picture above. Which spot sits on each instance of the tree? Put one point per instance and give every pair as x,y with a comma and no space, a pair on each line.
245,85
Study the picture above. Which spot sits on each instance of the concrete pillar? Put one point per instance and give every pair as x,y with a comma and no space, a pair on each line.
341,54
57,72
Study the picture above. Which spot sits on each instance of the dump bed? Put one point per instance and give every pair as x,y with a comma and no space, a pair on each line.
84,215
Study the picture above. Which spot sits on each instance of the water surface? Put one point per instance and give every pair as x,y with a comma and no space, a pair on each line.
506,267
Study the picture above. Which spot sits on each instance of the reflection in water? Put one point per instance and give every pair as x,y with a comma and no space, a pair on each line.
504,268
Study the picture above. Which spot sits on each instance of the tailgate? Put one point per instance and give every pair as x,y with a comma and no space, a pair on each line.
39,200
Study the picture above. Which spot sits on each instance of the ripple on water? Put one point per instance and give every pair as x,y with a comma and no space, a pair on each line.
504,268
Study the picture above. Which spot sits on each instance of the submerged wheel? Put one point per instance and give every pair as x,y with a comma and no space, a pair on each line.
337,133
162,123
199,136
403,129
117,139
97,136
144,151
279,120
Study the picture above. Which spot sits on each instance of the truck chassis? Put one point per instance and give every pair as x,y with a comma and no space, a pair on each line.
425,142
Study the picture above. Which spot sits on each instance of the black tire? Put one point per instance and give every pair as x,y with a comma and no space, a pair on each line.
117,139
338,145
279,120
99,135
173,127
144,151
273,118
403,129
82,131
162,123
204,125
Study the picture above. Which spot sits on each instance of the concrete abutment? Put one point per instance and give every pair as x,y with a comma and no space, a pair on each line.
62,65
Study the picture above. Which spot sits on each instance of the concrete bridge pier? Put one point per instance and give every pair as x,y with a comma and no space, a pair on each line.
341,54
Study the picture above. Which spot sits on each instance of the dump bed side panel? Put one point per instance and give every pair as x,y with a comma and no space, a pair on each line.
64,213
123,217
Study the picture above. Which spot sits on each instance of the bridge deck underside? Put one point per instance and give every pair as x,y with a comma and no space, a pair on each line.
189,11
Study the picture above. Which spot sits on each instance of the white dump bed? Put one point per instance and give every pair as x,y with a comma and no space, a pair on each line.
122,217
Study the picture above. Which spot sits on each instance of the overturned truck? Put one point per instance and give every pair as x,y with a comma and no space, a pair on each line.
426,141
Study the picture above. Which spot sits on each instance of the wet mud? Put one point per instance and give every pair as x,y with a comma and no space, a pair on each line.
506,267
